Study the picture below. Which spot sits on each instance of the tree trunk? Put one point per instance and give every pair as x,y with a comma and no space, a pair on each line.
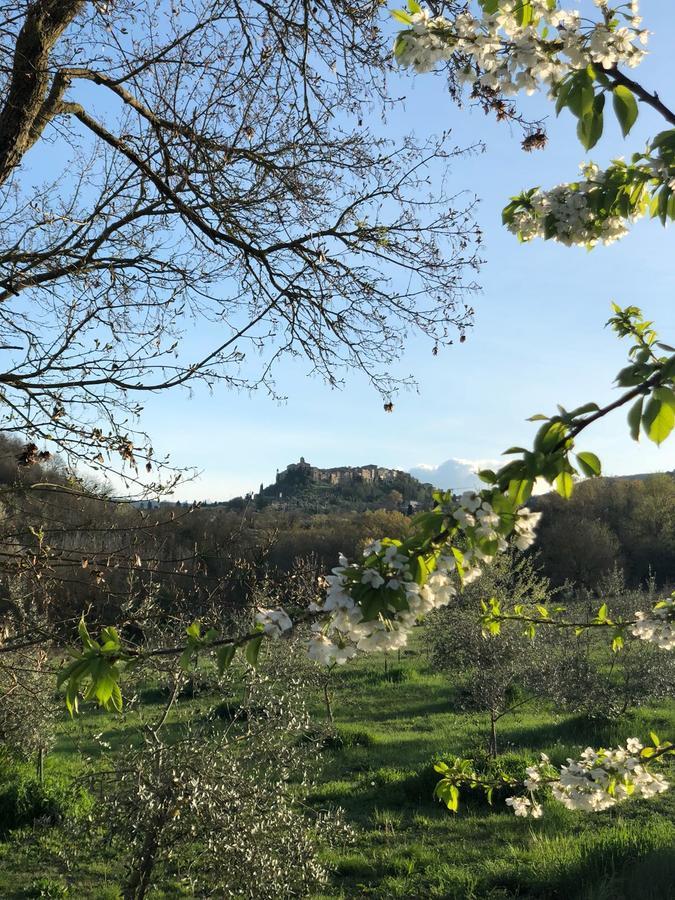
327,701
29,104
41,765
139,881
493,734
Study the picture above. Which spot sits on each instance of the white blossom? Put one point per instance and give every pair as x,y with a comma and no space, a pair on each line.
602,778
511,57
658,625
275,622
523,806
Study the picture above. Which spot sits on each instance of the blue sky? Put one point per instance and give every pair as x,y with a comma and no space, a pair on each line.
539,336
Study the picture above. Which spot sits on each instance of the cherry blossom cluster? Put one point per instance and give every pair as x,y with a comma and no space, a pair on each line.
568,214
521,45
525,528
602,778
658,625
275,622
374,605
537,777
524,806
596,209
598,780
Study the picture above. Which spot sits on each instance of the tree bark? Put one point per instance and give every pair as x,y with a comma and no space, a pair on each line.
29,102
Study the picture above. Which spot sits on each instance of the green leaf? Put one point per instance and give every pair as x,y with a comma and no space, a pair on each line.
402,16
655,738
489,7
194,630
591,125
524,13
488,476
665,139
453,801
562,90
116,697
665,395
85,636
110,638
550,436
422,573
633,375
447,793
580,97
225,656
564,485
625,107
658,419
634,419
399,46
584,410
253,649
414,7
590,464
459,560
520,490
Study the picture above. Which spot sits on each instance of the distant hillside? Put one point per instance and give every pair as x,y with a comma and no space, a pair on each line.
642,476
304,486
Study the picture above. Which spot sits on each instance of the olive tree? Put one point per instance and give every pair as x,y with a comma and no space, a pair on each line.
496,674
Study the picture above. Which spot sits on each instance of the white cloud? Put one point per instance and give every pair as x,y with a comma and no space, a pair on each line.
455,474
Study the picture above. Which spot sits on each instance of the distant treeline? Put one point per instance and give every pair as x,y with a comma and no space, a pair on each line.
63,550
607,523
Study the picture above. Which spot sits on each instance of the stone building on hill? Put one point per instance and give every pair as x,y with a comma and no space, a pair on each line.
340,475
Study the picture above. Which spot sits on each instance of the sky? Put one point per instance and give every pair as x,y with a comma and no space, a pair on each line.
538,339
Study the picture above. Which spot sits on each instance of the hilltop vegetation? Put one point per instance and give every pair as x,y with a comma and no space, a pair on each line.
297,489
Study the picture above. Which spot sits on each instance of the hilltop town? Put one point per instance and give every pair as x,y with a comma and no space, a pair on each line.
302,486
339,475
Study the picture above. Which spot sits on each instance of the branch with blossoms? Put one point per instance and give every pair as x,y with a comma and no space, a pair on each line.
598,780
518,46
657,626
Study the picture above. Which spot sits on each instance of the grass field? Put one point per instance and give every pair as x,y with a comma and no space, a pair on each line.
390,727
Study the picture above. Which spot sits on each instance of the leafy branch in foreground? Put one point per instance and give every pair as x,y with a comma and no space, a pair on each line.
513,47
656,626
651,379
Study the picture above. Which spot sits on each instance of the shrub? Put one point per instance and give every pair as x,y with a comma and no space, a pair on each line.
51,888
227,796
26,801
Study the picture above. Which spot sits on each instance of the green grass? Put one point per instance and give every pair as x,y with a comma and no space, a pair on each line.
409,846
378,767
